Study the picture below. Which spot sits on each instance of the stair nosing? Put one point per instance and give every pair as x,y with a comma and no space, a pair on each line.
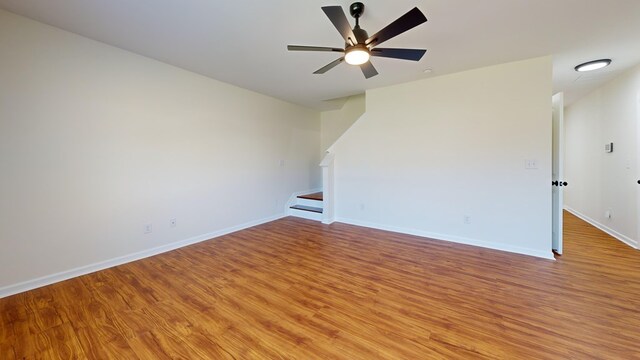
309,197
307,208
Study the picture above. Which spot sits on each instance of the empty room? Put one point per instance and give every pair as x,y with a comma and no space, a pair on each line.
427,179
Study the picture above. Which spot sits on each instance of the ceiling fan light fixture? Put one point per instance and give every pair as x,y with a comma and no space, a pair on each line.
359,47
357,55
593,65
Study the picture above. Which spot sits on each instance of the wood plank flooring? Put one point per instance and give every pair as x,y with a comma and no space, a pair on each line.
314,196
297,289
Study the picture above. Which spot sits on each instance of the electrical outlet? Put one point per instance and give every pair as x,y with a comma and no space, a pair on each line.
148,228
531,164
466,219
173,223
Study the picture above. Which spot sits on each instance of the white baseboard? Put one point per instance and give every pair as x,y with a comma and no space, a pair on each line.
625,239
328,221
87,269
456,239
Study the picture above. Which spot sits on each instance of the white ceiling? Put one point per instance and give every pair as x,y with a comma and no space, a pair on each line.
244,42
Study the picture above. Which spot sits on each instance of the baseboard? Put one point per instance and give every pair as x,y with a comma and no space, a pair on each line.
328,221
87,269
451,238
625,239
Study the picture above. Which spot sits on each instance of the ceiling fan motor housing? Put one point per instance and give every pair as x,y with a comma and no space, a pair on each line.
361,35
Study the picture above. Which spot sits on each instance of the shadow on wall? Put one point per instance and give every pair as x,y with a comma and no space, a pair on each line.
335,123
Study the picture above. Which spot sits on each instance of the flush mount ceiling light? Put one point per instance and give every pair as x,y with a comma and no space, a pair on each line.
593,65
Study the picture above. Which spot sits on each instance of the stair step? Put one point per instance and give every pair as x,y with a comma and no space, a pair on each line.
307,208
314,196
307,202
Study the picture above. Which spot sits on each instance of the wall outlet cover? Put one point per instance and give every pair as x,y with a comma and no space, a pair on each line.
530,164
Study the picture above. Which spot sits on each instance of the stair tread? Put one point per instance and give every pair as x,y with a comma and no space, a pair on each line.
314,196
307,208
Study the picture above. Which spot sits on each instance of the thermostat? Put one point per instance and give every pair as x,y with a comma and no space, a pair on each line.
608,147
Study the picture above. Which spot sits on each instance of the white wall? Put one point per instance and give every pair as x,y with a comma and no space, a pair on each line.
336,122
96,141
600,181
428,153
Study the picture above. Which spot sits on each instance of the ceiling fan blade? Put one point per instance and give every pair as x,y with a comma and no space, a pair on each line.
312,48
406,22
329,66
403,54
339,20
368,70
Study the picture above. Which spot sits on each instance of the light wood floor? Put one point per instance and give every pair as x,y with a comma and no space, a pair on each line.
296,289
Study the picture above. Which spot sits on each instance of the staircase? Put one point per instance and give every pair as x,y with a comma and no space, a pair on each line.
308,206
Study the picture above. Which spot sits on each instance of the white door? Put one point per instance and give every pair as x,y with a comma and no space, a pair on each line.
558,182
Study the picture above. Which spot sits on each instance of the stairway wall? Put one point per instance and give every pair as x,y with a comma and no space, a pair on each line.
445,158
335,122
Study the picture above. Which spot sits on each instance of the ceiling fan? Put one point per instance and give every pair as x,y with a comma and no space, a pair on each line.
359,46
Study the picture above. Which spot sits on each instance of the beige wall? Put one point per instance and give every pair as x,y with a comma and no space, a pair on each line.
336,122
96,142
429,153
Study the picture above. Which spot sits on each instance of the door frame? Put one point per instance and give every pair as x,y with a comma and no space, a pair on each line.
637,179
557,172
